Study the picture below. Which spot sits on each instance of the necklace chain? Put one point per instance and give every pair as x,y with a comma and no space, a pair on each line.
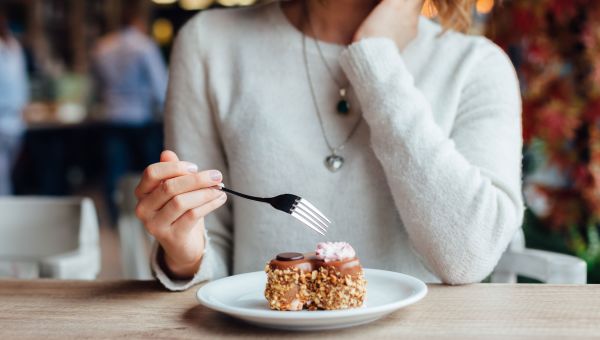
319,116
318,45
340,147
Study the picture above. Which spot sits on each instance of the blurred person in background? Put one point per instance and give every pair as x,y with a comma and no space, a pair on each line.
130,81
14,93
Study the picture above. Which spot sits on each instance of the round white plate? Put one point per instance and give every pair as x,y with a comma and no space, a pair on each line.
242,296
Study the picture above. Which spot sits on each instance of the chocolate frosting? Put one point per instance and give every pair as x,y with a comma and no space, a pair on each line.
310,262
289,256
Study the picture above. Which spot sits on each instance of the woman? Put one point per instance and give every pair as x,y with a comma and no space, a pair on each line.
429,184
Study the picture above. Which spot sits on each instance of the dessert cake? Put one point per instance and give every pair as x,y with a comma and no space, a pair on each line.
329,278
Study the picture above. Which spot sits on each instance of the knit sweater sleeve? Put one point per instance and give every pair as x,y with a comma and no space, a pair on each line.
458,195
192,131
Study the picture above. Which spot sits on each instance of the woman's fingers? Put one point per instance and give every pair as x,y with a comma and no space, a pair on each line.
179,205
158,172
189,220
168,156
179,185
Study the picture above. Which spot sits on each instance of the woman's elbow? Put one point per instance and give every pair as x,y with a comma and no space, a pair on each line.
481,251
473,270
475,258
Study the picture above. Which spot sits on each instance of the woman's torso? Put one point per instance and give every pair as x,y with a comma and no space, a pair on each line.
273,141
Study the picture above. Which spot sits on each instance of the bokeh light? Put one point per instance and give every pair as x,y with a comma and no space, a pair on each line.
162,31
164,2
194,5
484,6
230,3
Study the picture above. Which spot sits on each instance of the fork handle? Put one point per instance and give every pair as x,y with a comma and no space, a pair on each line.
253,198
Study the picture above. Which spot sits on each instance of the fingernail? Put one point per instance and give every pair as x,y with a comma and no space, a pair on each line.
192,167
215,175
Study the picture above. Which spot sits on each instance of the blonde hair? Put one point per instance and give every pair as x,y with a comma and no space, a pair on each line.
453,14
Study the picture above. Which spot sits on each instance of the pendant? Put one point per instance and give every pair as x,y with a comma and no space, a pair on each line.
343,106
334,162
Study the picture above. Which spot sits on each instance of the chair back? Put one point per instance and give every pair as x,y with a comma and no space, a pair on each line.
541,265
49,237
135,241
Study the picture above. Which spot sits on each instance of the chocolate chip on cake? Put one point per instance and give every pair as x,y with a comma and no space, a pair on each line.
290,256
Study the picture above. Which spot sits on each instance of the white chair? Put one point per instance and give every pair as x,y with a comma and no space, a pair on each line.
544,266
135,241
49,237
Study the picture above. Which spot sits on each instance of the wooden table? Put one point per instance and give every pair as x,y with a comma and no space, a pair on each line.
143,309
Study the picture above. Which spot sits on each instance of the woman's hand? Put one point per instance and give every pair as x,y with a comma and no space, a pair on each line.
173,199
394,19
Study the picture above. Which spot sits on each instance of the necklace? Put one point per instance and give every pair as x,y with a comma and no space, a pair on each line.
334,161
343,105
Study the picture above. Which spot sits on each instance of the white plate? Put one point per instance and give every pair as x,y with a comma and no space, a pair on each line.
242,296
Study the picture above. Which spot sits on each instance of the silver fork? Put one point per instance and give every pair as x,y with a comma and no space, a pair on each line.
294,205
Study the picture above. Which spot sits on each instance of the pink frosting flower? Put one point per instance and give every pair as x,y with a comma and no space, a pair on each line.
334,251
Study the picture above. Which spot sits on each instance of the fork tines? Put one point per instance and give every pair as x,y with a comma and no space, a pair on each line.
308,214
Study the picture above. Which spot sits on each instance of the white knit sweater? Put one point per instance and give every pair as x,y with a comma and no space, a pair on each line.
431,183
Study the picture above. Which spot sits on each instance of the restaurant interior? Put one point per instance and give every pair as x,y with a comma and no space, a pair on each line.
69,163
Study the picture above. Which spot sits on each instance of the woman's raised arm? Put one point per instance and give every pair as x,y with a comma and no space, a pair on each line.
459,196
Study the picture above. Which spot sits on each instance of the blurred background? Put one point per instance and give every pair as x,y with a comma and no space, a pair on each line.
70,125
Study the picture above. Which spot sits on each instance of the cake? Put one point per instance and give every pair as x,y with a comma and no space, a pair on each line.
329,278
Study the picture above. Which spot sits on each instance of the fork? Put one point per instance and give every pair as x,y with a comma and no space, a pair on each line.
296,206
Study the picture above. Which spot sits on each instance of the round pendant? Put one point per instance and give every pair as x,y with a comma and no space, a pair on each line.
334,162
343,107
